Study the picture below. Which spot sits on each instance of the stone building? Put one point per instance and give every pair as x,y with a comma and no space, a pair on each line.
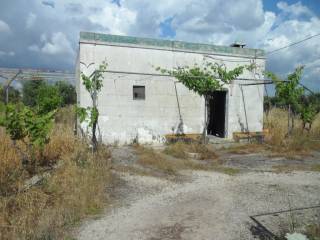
138,103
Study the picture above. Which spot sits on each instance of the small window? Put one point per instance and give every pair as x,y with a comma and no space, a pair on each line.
139,93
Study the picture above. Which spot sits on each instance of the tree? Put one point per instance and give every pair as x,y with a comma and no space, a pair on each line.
14,94
48,99
67,92
42,96
30,91
205,79
288,91
291,94
308,114
309,108
93,84
314,99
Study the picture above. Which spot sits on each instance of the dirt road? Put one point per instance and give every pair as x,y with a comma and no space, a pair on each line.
209,205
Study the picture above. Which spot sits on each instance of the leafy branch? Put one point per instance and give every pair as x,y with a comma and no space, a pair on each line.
31,128
93,84
290,93
205,79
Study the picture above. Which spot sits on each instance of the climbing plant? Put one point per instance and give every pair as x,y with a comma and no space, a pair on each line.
206,78
93,84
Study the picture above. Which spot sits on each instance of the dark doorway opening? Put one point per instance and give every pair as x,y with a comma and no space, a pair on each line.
217,113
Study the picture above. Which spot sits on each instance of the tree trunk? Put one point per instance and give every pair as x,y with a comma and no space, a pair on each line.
204,134
95,122
94,137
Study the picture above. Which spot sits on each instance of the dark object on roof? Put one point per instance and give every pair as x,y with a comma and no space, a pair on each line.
238,45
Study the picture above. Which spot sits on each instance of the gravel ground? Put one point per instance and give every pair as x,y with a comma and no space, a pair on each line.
263,162
210,206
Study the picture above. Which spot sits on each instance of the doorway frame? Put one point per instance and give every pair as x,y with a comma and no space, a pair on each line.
226,114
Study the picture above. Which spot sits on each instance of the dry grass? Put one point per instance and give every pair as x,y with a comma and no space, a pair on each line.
66,116
313,232
227,170
164,163
300,143
246,149
182,150
11,169
150,158
68,193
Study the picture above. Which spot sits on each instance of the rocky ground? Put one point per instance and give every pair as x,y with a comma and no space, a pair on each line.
206,204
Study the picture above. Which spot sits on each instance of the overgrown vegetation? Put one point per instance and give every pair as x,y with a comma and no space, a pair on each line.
13,94
72,184
38,92
298,143
288,115
49,179
278,143
29,127
291,95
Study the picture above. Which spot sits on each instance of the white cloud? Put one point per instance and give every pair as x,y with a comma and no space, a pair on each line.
6,54
288,32
34,48
31,19
117,20
4,27
214,21
295,10
59,44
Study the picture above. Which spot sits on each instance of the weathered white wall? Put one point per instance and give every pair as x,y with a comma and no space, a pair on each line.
123,119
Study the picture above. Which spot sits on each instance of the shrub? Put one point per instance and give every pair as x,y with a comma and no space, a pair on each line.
30,91
48,99
67,93
70,192
30,129
44,97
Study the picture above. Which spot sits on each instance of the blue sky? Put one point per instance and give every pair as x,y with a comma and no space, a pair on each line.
45,33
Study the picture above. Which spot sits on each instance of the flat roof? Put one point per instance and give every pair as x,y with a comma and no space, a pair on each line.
109,39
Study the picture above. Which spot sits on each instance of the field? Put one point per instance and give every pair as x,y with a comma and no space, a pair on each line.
299,142
71,183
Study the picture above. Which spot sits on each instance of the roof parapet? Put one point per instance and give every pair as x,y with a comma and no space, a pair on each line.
98,38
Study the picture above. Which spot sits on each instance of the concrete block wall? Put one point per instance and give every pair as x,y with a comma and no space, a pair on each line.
124,120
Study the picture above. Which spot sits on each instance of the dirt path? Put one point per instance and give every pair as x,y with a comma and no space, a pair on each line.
209,206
